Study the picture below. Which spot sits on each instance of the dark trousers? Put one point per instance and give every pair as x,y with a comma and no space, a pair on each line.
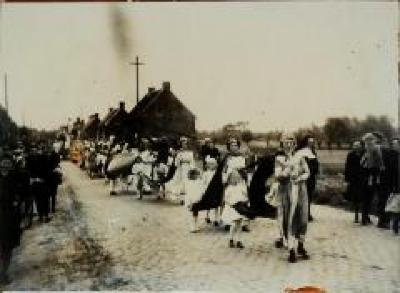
367,196
311,183
53,197
395,223
354,191
41,196
383,195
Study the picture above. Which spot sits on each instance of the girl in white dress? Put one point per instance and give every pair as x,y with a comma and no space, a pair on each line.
235,161
235,192
195,190
184,161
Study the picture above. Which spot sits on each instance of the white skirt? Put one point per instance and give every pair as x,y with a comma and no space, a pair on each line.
229,215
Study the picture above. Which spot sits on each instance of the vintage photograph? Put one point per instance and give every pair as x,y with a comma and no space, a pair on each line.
200,146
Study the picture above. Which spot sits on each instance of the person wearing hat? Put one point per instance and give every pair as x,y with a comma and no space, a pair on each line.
9,224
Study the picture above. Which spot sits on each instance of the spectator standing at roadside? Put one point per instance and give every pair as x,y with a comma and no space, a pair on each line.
353,176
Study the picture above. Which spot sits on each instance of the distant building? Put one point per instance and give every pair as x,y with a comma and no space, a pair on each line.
116,123
91,128
161,113
77,128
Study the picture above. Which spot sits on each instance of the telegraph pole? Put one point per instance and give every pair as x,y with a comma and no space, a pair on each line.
5,92
137,64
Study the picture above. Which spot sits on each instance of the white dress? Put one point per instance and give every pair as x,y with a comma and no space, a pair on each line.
236,193
184,161
195,190
233,194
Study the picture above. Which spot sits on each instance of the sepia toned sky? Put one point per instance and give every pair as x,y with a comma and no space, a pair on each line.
277,65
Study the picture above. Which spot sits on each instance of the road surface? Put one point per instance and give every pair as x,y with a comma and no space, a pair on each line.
120,243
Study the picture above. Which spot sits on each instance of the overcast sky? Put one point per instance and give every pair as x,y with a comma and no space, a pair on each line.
276,65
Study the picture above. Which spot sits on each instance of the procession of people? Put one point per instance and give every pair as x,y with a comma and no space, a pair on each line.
232,192
220,184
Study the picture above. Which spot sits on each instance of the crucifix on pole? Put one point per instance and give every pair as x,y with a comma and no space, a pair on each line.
137,64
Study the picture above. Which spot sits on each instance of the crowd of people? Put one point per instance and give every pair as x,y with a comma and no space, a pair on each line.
230,188
372,172
29,177
226,186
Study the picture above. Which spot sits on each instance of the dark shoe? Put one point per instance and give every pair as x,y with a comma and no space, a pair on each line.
113,193
292,256
239,245
182,202
383,225
245,229
216,224
279,243
310,218
227,227
208,221
366,222
48,219
231,244
302,252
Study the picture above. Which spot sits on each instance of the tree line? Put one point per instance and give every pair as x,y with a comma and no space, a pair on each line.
337,132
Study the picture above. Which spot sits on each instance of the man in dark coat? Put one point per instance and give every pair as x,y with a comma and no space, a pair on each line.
353,176
37,165
384,188
53,177
9,224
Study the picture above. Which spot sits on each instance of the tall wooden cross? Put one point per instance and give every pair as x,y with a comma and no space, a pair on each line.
137,64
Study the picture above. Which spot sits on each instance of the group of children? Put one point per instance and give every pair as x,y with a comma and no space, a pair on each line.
288,193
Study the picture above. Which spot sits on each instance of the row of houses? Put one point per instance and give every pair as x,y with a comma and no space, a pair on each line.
158,113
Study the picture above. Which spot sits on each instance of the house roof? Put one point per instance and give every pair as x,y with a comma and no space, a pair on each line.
151,98
107,118
144,102
91,122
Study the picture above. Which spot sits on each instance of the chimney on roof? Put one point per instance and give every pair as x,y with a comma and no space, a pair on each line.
166,86
110,109
122,105
96,116
151,89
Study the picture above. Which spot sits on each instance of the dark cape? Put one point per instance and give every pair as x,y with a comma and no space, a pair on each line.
257,206
170,174
212,197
